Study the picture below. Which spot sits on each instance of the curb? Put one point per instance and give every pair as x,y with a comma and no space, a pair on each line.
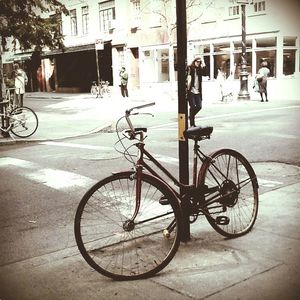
13,141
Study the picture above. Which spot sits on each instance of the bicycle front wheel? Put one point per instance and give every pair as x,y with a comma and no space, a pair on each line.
121,237
231,192
94,90
24,121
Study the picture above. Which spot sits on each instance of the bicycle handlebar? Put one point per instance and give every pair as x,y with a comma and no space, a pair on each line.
127,116
139,107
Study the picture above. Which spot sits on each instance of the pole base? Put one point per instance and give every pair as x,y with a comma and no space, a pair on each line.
243,95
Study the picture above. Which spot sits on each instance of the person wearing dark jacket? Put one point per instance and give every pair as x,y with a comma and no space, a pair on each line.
194,87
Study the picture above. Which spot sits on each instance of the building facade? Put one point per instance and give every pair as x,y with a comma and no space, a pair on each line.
141,35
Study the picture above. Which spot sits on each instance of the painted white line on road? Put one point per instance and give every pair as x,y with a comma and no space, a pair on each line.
280,135
58,179
54,178
10,161
232,115
73,145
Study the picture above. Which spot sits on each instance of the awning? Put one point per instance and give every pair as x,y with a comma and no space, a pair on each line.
68,50
71,49
17,57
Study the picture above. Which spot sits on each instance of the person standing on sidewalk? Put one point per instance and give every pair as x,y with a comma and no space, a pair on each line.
261,78
20,82
123,82
194,87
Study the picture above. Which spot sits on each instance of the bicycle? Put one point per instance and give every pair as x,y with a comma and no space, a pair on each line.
100,90
10,96
21,121
128,225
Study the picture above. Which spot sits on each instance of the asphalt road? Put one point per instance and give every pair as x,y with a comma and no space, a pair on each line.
42,183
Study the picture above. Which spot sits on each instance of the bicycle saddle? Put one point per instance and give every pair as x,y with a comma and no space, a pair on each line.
198,132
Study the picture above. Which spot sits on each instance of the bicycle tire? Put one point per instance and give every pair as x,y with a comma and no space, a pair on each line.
23,121
94,90
233,184
119,251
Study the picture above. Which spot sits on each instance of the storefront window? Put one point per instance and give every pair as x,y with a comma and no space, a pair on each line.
237,63
266,42
289,41
238,45
266,53
163,64
222,58
289,61
270,58
149,66
289,55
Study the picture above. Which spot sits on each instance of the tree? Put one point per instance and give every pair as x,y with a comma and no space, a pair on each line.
22,23
166,11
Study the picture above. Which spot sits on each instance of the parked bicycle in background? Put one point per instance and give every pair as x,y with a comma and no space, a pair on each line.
102,90
21,121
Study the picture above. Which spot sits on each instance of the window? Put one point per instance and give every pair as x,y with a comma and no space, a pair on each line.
234,10
222,58
260,6
85,19
73,22
266,51
136,12
163,64
289,55
106,14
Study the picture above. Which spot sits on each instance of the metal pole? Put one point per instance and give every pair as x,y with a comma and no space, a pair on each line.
4,122
182,110
244,94
97,64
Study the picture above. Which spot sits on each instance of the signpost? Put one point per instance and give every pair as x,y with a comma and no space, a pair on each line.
99,45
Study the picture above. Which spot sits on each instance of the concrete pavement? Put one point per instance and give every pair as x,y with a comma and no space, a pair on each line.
71,115
263,264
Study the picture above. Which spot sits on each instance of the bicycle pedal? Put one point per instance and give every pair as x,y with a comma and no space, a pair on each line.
222,220
164,201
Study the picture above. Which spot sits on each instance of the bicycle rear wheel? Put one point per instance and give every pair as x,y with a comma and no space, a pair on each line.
24,121
114,244
232,192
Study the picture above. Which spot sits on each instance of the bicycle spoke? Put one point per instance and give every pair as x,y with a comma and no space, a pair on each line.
112,241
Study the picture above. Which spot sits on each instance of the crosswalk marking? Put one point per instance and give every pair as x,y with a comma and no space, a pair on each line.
281,135
74,145
62,180
58,179
54,178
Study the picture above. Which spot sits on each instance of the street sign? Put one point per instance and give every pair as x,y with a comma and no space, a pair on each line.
99,44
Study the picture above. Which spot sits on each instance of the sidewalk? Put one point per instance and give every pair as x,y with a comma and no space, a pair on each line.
73,115
264,264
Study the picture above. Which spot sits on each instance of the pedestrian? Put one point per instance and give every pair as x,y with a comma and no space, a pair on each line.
221,80
194,87
261,78
123,82
20,82
39,77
